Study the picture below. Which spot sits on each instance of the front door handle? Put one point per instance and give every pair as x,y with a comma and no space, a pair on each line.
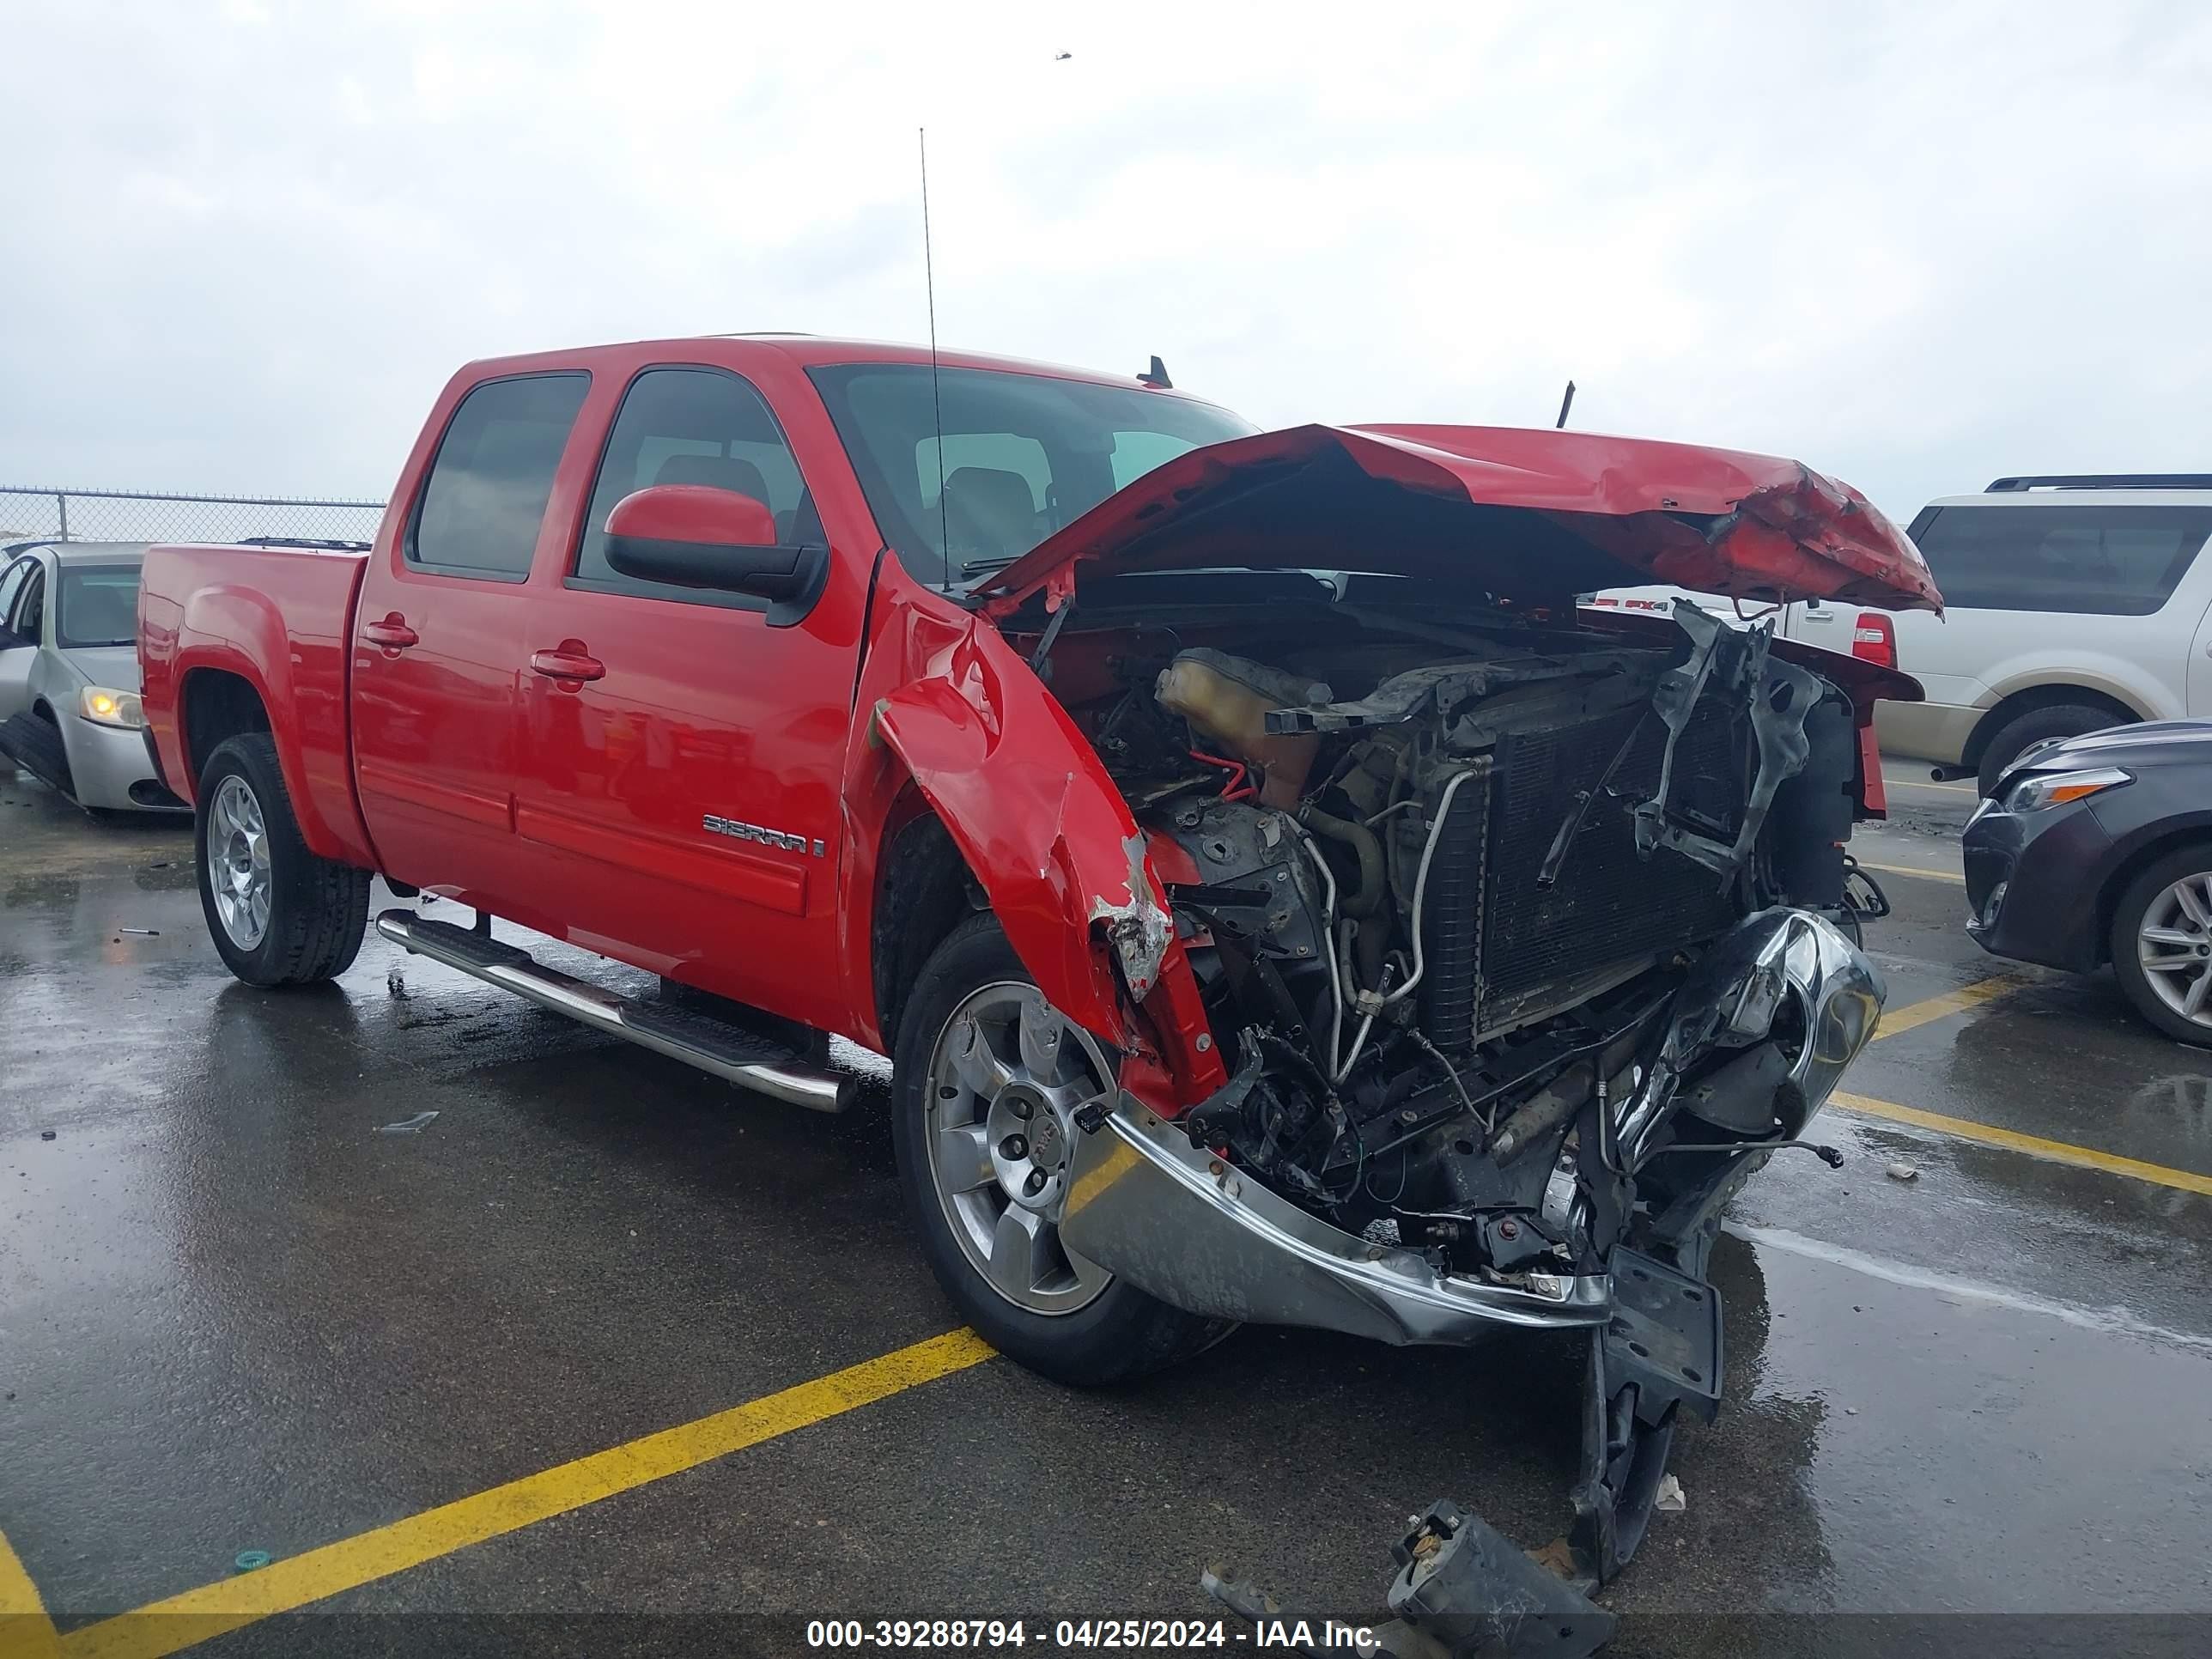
392,633
567,660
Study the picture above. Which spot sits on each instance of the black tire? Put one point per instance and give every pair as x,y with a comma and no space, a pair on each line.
1124,1333
2058,719
318,908
33,742
2128,916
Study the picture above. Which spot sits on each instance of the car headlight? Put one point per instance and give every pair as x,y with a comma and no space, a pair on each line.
2041,789
103,706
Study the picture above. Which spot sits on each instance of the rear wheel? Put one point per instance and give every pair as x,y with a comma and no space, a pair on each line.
2058,719
987,1080
279,915
2162,944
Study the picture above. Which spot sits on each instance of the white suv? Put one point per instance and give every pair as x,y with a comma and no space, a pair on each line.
2071,603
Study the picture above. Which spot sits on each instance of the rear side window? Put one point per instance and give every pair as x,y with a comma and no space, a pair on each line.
2100,561
693,425
486,495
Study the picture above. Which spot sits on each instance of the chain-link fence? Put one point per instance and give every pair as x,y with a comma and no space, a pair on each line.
29,513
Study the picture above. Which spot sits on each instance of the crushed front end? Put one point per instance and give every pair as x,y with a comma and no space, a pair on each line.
1522,955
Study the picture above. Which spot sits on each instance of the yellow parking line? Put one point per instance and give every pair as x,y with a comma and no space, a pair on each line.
1966,1129
1896,1021
179,1621
26,1632
2054,1151
1911,870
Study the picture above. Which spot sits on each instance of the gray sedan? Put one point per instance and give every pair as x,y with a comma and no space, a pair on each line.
69,674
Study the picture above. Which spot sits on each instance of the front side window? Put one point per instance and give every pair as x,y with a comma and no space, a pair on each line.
486,495
1021,455
2116,561
693,425
98,605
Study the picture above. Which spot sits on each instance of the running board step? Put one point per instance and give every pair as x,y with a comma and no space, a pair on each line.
713,1045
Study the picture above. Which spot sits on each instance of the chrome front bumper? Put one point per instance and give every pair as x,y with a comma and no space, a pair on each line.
1200,1234
1176,1221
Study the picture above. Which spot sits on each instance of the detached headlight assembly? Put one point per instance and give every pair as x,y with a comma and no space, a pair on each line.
2039,790
105,707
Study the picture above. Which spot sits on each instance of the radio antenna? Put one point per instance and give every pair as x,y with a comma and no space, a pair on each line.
936,401
1565,403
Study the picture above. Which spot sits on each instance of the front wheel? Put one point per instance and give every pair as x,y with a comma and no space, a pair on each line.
2162,944
279,915
986,1083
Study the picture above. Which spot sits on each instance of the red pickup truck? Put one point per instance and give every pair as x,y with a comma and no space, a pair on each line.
1280,901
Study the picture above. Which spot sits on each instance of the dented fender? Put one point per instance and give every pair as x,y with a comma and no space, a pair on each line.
1049,835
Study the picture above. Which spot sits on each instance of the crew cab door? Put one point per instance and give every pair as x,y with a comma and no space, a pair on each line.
437,644
681,758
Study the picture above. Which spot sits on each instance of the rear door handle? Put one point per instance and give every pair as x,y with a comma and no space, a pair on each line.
392,633
566,661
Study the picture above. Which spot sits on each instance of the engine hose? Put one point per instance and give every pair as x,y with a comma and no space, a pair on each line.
1367,897
1421,880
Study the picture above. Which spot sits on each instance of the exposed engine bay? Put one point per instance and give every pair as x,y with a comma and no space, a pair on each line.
1439,921
1518,944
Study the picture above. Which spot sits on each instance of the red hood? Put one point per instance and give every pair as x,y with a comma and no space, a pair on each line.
1457,501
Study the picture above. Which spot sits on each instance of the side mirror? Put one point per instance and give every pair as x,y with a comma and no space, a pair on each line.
695,536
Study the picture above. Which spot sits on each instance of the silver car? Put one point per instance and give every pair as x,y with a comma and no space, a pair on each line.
69,674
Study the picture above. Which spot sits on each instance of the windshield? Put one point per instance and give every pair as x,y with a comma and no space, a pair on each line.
98,605
1022,454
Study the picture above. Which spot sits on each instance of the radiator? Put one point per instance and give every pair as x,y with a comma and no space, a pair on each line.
1503,951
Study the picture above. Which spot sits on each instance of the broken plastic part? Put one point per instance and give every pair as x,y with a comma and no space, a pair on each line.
1777,696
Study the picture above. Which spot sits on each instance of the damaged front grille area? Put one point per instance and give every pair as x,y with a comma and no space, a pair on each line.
1534,950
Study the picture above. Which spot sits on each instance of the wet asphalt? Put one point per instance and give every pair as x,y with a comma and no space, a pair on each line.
1973,1411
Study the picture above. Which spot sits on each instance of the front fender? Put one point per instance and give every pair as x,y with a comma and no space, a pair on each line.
1053,844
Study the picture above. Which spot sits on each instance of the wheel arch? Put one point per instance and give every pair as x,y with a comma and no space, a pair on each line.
2051,695
923,889
2170,837
213,705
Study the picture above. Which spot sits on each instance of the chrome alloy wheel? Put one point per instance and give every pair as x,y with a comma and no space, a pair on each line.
238,862
1007,1077
2174,943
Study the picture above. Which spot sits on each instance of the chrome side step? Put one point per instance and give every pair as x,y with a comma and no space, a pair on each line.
714,1046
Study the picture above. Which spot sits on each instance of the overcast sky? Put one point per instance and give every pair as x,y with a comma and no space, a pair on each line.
246,241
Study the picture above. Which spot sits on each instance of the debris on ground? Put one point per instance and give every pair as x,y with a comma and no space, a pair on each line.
46,1134
1904,1172
250,1560
406,1126
396,983
1671,1499
1557,1558
142,932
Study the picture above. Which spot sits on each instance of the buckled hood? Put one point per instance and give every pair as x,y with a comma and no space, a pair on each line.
1524,514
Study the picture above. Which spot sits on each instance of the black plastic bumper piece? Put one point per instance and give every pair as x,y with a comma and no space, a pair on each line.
1463,1591
1463,1588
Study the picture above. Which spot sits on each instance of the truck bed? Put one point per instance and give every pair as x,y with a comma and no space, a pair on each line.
282,620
